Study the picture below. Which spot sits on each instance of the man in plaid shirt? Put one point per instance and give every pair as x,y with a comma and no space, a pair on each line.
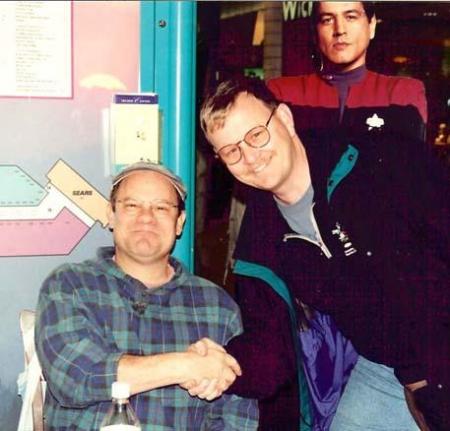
131,314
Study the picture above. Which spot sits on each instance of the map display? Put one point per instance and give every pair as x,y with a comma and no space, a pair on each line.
48,220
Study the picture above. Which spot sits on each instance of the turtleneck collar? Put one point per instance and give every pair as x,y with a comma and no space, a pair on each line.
342,81
345,78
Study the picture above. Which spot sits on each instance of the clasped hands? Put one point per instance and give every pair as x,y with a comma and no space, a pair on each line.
213,371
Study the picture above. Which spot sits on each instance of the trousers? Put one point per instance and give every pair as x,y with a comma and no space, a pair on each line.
373,400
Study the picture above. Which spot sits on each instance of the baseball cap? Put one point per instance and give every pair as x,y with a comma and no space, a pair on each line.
155,167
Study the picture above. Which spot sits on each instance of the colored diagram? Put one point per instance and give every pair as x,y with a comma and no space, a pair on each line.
50,220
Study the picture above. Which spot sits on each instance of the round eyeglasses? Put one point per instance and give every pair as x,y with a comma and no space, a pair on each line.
257,137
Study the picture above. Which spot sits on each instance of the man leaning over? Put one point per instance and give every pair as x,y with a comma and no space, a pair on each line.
354,224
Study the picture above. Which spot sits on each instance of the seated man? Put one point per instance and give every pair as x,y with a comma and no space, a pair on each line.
131,314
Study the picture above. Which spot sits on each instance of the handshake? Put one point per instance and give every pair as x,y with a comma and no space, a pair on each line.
212,370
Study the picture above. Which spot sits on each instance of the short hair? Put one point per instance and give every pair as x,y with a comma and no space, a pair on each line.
221,98
369,10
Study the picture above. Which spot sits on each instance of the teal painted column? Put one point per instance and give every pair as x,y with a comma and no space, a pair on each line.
168,49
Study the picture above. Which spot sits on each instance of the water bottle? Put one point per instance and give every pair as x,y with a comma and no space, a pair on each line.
120,416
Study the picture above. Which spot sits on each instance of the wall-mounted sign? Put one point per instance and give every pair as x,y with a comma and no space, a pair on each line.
36,54
134,129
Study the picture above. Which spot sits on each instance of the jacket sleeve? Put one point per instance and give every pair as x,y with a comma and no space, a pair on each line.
409,91
264,350
77,363
425,181
230,412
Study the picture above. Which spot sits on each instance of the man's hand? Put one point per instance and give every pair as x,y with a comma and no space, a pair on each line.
429,405
210,388
201,346
412,406
205,345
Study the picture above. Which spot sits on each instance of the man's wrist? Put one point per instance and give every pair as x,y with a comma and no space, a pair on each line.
416,385
183,365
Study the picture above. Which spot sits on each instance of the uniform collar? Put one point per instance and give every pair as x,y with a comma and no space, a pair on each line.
345,78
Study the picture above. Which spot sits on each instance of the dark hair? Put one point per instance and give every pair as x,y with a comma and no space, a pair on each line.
222,97
369,9
316,55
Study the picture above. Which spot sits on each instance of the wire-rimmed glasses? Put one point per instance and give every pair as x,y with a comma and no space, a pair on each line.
160,207
257,137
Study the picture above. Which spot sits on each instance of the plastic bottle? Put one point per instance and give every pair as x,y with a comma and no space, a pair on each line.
120,416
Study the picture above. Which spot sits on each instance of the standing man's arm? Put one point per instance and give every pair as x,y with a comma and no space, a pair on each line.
427,180
229,412
262,350
413,408
265,347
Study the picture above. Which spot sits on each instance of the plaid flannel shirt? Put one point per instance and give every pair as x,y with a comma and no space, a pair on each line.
87,319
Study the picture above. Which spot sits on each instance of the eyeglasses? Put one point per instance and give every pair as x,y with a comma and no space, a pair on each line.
160,208
258,137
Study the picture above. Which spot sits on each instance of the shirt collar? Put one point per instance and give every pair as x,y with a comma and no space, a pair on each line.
105,259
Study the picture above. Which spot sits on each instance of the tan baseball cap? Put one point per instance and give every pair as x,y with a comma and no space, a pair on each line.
155,167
